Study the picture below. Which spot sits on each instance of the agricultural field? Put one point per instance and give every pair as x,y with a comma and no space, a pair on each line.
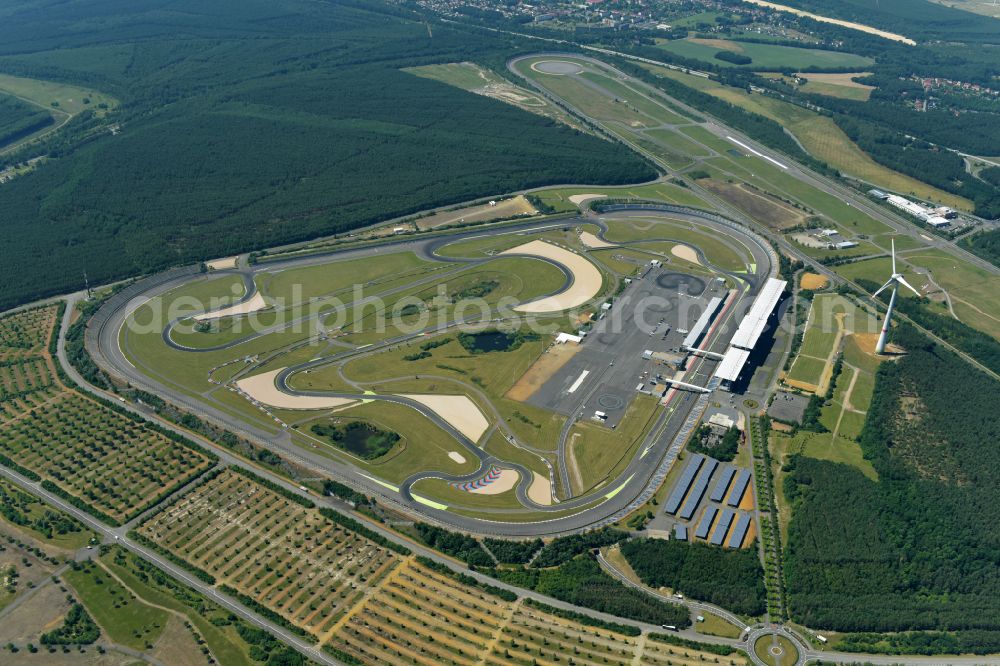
279,553
765,57
831,318
114,463
423,616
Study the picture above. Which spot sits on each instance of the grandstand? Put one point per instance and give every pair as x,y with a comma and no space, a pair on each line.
748,334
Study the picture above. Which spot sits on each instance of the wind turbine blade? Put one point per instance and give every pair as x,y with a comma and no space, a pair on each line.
893,241
907,285
882,288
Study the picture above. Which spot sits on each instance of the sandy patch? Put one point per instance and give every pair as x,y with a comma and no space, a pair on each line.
540,490
814,281
746,503
824,19
579,199
586,278
482,213
506,480
246,307
686,253
43,612
457,410
592,241
222,264
843,79
541,370
263,389
803,386
721,44
781,427
457,457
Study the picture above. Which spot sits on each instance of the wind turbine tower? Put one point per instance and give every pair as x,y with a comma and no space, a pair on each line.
894,281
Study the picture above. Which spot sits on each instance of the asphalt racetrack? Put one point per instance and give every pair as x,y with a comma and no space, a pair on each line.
610,388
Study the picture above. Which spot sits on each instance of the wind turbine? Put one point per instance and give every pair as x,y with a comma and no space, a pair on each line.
895,280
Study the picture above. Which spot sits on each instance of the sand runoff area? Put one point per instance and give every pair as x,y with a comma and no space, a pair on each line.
686,253
458,410
593,242
263,389
540,490
506,480
246,307
579,200
586,278
457,457
221,264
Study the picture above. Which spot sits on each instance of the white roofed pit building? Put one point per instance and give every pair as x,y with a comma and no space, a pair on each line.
751,328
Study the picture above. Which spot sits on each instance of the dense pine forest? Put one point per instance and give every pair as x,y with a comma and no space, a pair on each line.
732,579
918,548
249,123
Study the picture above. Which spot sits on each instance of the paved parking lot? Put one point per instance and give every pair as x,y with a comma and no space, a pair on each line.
649,315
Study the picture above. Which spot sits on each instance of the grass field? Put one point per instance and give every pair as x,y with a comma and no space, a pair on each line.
495,372
600,452
50,95
972,290
423,445
127,620
504,208
297,284
833,85
153,588
764,56
281,554
716,626
558,198
718,251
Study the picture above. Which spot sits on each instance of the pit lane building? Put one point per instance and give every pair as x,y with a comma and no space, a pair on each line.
749,333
